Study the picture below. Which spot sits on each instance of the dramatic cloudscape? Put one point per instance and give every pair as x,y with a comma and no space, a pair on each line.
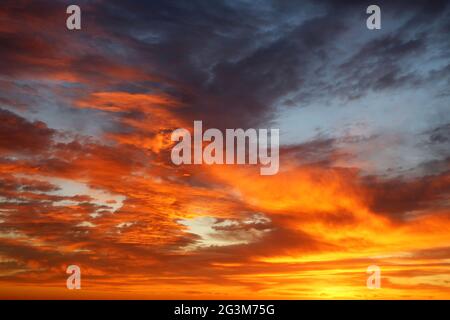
86,176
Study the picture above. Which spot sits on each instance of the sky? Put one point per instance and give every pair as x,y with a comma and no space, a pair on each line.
86,176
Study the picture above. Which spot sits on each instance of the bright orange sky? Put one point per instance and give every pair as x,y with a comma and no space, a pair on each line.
86,176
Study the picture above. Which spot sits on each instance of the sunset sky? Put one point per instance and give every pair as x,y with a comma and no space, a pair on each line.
86,176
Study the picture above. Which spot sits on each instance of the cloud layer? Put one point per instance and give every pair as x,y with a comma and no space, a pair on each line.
85,170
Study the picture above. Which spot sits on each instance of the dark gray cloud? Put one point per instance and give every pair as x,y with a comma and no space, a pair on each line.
232,62
403,198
